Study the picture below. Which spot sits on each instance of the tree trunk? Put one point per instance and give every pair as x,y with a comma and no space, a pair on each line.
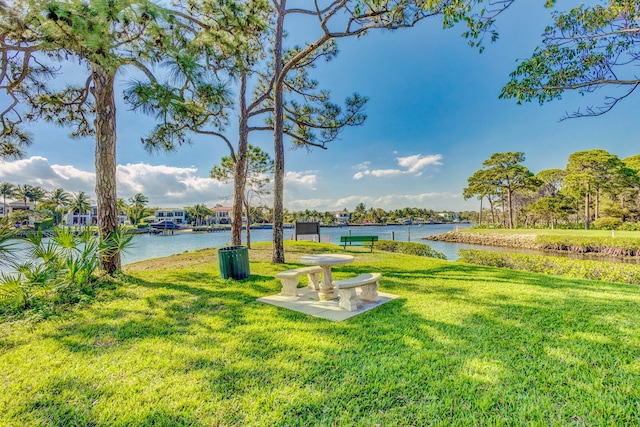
480,216
105,127
240,173
587,201
510,203
248,214
597,207
493,212
277,256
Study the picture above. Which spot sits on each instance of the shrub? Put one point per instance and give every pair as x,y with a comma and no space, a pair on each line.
409,248
45,224
613,246
558,266
61,269
607,223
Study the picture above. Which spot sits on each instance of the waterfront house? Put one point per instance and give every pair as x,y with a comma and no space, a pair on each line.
342,217
177,215
221,214
89,217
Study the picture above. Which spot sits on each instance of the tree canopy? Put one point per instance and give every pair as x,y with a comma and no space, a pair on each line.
585,49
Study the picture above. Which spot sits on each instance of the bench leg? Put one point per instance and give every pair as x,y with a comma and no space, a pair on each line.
370,292
314,281
347,299
289,287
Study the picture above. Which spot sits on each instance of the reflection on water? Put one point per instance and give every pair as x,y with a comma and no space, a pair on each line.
155,246
147,246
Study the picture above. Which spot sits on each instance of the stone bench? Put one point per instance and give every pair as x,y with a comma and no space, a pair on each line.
290,279
347,289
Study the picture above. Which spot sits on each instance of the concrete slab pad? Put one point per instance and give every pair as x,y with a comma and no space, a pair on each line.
307,302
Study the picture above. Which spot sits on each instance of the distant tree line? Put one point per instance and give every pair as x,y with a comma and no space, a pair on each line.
363,215
594,186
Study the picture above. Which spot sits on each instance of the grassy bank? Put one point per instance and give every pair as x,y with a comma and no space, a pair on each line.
547,231
463,345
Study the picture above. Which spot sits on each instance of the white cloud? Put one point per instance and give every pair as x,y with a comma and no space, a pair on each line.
417,162
362,166
166,186
381,173
300,180
412,164
360,175
37,171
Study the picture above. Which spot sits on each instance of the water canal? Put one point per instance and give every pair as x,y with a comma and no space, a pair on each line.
147,246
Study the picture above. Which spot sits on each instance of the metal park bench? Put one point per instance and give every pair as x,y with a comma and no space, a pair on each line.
358,241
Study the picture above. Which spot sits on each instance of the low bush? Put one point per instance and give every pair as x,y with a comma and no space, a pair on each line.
558,266
52,271
630,226
409,248
607,223
613,246
45,224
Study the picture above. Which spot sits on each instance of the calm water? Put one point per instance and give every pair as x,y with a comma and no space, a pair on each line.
147,246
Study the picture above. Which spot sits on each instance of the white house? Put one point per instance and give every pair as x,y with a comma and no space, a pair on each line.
221,215
177,215
342,217
89,217
17,206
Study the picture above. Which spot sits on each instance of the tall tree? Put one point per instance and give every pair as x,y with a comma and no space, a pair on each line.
7,190
339,19
312,120
58,200
257,175
585,49
481,185
509,175
103,36
587,172
137,208
23,192
199,102
80,203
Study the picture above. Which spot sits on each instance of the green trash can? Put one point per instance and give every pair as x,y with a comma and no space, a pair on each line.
234,262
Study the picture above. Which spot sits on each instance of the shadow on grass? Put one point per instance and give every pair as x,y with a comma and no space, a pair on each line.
452,350
72,402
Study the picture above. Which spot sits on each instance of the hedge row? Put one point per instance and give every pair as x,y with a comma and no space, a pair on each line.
613,246
409,248
558,266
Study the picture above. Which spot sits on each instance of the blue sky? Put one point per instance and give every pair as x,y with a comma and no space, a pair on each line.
433,117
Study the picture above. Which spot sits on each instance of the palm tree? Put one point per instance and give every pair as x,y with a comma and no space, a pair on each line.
122,206
23,192
7,190
36,194
137,209
80,203
58,199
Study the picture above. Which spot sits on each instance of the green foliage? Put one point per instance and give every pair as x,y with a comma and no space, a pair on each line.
44,224
607,223
557,266
60,269
585,49
409,248
463,345
613,246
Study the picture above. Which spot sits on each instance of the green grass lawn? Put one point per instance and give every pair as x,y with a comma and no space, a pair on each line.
463,345
557,232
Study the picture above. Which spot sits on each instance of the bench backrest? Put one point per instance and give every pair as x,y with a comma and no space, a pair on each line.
347,239
307,228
